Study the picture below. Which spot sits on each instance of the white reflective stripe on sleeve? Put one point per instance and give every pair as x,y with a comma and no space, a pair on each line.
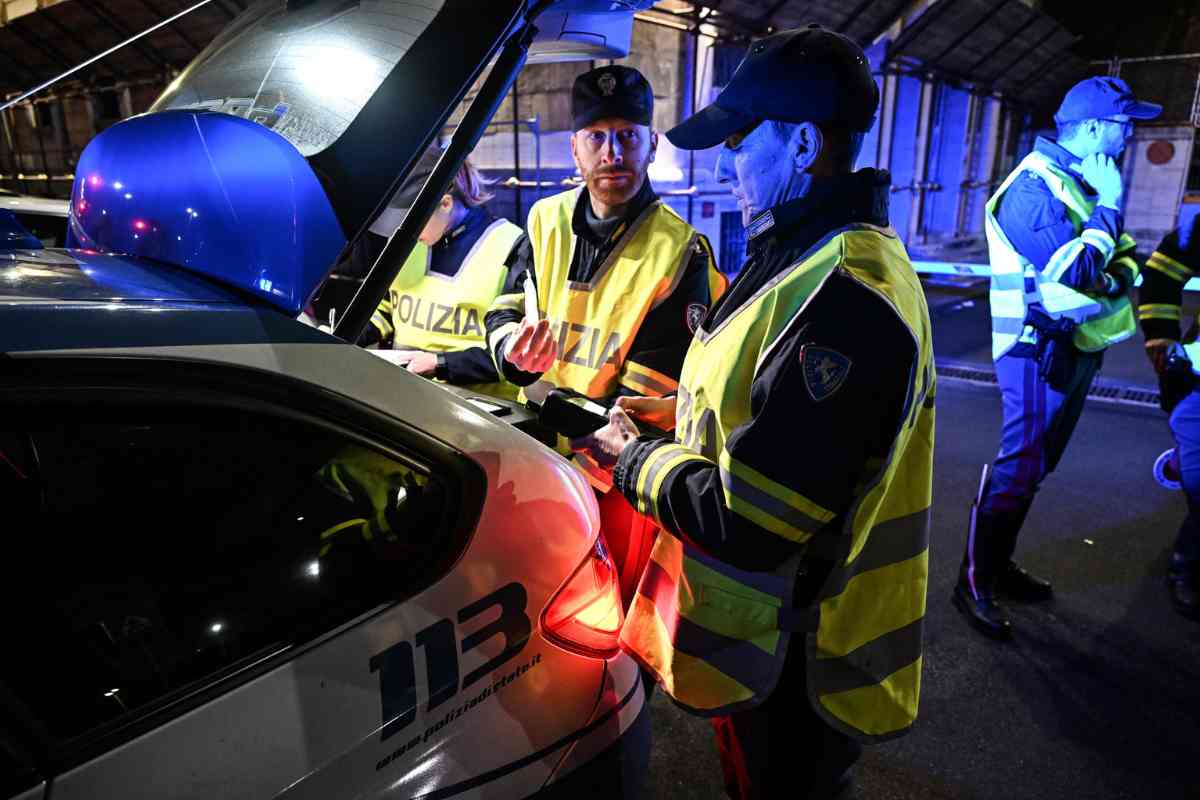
1062,259
1100,240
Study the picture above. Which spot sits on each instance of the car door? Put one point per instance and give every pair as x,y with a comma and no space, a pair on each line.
210,584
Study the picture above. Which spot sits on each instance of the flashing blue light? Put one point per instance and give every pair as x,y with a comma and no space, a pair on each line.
218,194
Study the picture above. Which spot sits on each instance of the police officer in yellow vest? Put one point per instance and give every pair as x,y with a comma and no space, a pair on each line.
434,311
1062,267
786,597
621,280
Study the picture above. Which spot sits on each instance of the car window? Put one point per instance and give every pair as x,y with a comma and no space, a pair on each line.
159,548
17,770
49,228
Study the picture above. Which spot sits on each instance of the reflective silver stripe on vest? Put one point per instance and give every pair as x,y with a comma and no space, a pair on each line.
870,664
890,543
776,508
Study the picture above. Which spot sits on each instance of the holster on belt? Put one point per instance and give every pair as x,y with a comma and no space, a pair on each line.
1056,351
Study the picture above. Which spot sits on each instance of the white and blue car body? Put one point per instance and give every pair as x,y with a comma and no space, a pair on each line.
244,558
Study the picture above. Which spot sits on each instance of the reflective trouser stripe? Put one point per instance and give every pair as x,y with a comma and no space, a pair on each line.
1159,311
647,381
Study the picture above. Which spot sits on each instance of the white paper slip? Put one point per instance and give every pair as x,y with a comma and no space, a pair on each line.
531,304
392,356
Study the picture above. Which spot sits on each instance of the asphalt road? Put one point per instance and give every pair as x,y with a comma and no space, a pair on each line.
1097,696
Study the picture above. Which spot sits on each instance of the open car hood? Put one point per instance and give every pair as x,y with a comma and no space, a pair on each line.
287,135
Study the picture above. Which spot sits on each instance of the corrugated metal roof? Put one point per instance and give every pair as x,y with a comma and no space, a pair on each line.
996,45
42,44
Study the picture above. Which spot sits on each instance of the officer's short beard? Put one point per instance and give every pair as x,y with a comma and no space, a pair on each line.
609,194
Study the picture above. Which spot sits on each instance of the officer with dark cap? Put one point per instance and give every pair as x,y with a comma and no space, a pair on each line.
785,596
621,282
1062,267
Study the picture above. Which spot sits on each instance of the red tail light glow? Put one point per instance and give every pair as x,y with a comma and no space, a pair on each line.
585,616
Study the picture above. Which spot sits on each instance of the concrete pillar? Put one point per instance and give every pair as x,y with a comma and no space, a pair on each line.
916,223
887,119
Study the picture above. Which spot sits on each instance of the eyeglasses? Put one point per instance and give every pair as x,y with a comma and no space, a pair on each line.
1126,124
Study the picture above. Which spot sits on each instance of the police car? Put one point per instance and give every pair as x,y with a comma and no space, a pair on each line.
243,558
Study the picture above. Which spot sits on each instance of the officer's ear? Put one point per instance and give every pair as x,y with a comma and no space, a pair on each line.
653,145
807,143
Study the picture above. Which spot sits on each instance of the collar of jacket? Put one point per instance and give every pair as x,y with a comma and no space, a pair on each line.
579,224
830,203
476,219
1063,159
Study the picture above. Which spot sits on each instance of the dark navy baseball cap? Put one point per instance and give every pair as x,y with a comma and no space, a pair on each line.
1099,97
802,75
614,92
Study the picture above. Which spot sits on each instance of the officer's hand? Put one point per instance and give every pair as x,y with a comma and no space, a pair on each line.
656,411
532,347
1157,351
1102,174
417,362
607,444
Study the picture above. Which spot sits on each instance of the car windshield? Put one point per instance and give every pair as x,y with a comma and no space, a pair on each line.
304,70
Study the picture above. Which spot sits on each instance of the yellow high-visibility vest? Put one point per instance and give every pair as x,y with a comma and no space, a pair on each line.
595,323
716,636
425,310
1017,283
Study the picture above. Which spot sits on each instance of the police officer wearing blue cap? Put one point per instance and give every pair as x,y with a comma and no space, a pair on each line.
1062,268
785,597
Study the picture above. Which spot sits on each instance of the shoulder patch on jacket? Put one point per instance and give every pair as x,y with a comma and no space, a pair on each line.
824,370
695,315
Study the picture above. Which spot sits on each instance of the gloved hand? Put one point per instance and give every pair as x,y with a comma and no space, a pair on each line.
1156,351
1103,175
1177,380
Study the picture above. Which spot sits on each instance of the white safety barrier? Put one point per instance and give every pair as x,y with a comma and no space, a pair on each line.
985,271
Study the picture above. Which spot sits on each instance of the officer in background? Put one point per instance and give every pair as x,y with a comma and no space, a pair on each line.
1062,269
786,596
434,310
621,280
1173,264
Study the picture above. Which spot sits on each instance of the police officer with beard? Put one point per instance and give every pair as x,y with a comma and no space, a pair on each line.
621,280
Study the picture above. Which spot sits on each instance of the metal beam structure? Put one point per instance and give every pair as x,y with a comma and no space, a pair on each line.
983,20
177,30
922,22
107,19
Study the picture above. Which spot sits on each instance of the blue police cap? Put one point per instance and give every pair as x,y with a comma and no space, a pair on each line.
802,75
1099,97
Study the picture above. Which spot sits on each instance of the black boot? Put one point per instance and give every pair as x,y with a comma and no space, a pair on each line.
986,553
1181,584
1017,584
982,611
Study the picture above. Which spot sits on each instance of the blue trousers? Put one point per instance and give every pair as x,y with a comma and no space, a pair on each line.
1038,423
1185,427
